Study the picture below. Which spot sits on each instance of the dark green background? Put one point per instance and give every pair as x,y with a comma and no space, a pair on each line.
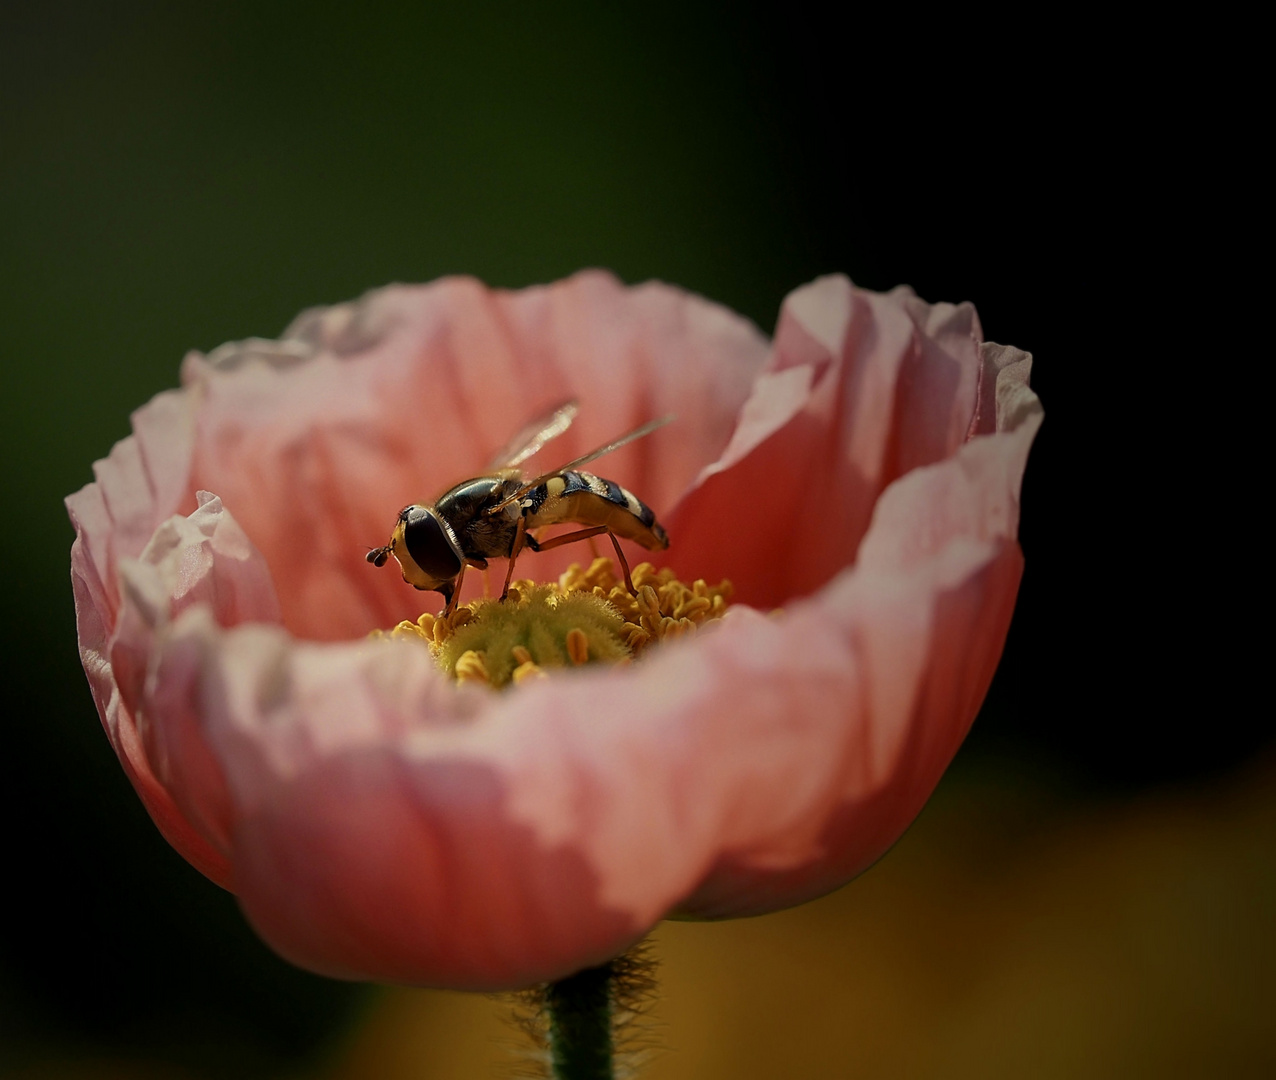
173,178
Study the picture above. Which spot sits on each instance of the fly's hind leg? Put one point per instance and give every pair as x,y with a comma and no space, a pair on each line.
585,534
624,564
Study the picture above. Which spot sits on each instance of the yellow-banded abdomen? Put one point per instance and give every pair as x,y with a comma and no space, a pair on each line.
587,499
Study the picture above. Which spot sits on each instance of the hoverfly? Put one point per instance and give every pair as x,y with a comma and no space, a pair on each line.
493,515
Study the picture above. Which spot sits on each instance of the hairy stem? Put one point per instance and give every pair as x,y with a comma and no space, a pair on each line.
580,1013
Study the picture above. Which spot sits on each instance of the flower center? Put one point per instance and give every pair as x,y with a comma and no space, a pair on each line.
586,617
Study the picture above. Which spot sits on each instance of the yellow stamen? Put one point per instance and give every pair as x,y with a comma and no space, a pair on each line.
471,667
577,645
528,670
586,617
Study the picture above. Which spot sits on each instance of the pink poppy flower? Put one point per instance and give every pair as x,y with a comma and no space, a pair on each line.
861,472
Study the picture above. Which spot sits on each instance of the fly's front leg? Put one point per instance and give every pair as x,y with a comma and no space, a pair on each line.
452,590
452,593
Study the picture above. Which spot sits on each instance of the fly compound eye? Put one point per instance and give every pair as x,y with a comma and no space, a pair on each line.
428,545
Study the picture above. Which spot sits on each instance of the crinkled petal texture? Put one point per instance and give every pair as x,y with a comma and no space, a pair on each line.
862,472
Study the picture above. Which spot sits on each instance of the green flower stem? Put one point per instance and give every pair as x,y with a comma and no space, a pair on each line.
580,1013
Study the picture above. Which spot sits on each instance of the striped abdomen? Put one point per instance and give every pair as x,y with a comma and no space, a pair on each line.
590,500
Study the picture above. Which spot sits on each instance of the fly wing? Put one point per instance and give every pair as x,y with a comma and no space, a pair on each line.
531,438
585,459
616,444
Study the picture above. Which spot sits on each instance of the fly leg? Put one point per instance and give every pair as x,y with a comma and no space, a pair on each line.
584,534
452,590
520,538
453,594
624,564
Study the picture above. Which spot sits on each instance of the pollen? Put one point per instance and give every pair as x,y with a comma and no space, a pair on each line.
586,617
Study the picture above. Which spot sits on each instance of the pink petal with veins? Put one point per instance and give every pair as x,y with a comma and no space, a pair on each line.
860,388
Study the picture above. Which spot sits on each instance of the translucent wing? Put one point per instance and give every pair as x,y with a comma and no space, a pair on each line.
535,435
585,459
